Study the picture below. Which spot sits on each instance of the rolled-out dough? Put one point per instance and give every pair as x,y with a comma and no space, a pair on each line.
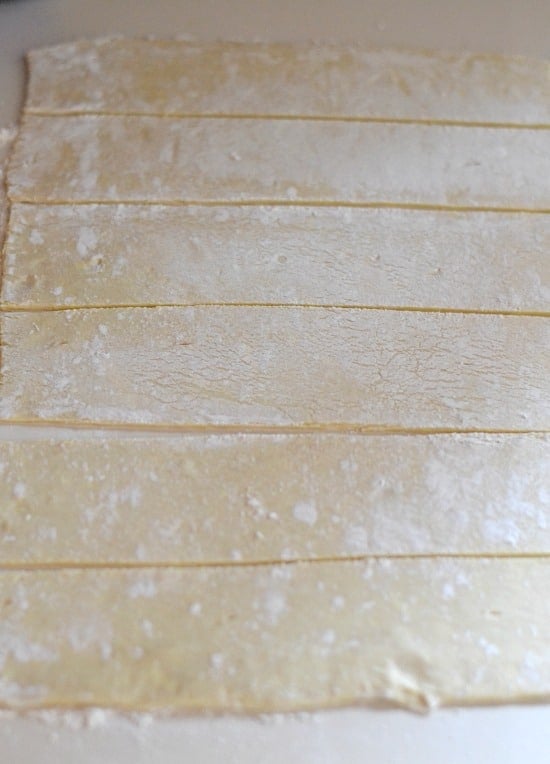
254,367
153,159
233,498
147,572
149,254
168,77
411,632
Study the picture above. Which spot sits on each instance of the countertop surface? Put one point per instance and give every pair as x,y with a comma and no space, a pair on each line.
503,735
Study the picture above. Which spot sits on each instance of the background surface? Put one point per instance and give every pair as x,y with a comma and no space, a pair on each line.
461,736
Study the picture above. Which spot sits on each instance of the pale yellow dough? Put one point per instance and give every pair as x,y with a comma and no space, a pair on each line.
265,367
178,77
152,159
264,638
253,498
150,255
309,529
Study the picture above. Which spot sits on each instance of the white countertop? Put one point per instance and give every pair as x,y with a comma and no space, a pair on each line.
506,735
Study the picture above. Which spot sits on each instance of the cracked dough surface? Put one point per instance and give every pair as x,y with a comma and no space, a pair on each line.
294,534
277,366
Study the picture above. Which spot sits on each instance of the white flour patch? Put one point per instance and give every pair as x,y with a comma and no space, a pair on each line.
275,606
305,512
356,539
19,491
143,587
